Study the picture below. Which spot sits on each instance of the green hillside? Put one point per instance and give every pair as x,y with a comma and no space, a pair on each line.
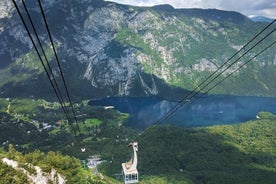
67,166
112,50
108,49
241,153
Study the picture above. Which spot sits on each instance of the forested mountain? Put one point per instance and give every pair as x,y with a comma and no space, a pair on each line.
111,49
108,49
242,153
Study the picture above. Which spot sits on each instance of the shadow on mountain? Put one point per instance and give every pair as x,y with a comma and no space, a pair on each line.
38,86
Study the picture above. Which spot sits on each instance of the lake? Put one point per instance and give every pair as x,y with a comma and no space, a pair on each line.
205,111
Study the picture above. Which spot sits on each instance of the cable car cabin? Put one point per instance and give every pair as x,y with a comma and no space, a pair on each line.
130,176
130,172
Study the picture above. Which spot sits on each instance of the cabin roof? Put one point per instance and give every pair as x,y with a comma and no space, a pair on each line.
128,171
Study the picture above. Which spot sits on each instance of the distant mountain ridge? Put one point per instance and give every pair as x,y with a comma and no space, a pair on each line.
261,19
108,49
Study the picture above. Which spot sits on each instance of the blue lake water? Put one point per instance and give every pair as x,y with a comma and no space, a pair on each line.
205,111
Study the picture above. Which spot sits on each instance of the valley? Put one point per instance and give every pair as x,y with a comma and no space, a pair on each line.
239,153
125,67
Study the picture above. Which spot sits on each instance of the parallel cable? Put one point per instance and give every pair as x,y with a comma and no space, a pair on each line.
252,39
58,63
37,51
46,59
218,75
188,100
188,97
49,75
230,74
245,63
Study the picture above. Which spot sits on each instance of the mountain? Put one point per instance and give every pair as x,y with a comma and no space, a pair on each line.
261,19
108,49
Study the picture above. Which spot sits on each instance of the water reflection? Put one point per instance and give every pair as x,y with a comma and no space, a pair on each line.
206,111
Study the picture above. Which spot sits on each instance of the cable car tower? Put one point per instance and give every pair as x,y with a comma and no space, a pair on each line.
130,173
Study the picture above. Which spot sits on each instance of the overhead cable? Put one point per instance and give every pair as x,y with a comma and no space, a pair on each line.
40,58
58,63
241,66
218,75
198,89
52,77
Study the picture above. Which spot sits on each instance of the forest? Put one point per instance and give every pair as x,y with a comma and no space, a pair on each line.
237,153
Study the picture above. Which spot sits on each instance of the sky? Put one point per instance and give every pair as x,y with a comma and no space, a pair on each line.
247,7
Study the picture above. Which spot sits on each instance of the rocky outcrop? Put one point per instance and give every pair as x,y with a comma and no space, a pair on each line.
121,50
38,177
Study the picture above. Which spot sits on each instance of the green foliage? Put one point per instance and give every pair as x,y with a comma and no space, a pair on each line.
266,115
102,131
253,81
184,40
70,167
9,175
30,109
130,38
28,168
167,43
92,122
13,154
163,180
242,153
25,67
4,105
254,137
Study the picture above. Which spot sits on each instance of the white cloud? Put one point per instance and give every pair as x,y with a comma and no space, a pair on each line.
246,7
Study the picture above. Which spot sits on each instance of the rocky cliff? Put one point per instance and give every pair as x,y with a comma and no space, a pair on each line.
108,49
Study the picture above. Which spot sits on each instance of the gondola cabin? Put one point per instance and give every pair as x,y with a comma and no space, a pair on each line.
130,173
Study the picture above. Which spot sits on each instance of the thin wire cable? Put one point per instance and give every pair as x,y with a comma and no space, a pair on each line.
191,94
47,72
241,49
245,63
58,63
179,106
46,59
62,76
37,51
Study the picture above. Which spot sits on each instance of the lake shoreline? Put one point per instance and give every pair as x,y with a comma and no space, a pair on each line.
204,111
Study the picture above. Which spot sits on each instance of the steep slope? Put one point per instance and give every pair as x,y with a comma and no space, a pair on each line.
241,153
38,175
20,168
112,49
